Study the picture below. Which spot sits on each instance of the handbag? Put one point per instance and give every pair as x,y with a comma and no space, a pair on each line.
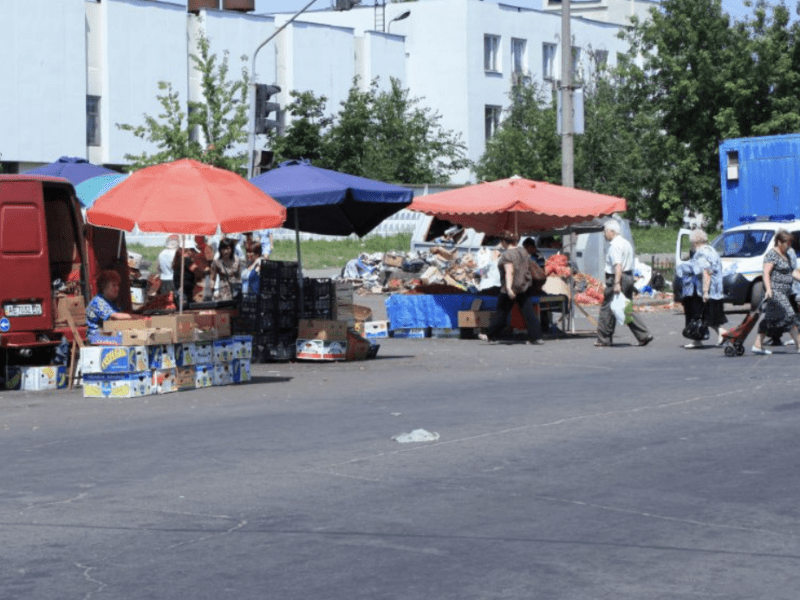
696,330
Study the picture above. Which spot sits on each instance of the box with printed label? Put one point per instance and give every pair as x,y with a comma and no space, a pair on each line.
185,378
203,376
182,326
321,350
113,359
241,370
413,333
161,356
36,378
164,381
223,350
116,385
243,346
204,352
376,329
223,374
321,329
185,354
445,332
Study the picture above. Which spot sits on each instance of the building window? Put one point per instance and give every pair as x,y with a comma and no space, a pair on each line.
491,53
548,60
601,59
492,117
92,120
519,63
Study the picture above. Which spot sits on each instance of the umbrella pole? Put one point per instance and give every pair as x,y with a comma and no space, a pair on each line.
183,264
573,242
302,310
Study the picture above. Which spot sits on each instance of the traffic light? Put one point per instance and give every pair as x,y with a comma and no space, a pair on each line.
262,161
264,107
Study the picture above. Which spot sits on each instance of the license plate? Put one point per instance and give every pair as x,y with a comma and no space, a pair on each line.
22,310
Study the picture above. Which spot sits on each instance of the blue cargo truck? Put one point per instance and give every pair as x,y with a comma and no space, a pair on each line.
760,182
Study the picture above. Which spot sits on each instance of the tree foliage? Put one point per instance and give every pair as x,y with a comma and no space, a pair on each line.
221,119
385,135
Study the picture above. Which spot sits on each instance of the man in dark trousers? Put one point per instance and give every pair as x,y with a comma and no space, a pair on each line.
516,279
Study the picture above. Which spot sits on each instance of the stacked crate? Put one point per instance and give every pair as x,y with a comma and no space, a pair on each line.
319,298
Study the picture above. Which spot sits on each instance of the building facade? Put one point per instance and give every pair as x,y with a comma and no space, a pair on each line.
78,68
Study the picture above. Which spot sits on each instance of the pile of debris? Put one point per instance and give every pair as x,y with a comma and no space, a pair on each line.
445,271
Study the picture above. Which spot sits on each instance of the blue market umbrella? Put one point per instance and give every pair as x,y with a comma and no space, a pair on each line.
91,189
73,168
331,203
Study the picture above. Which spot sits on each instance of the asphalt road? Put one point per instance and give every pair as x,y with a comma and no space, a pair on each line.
561,471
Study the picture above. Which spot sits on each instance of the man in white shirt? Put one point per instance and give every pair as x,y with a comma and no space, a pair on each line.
165,264
619,279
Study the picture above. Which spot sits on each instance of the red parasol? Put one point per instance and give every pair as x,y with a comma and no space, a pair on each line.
186,197
517,205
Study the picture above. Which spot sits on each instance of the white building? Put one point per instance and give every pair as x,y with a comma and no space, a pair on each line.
77,68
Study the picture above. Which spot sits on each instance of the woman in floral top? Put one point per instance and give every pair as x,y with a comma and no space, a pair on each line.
778,276
228,268
702,287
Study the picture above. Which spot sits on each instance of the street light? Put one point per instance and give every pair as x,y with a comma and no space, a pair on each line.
399,17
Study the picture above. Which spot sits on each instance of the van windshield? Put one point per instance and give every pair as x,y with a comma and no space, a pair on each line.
743,244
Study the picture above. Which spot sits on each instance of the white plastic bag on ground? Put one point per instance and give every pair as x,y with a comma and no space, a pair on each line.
418,435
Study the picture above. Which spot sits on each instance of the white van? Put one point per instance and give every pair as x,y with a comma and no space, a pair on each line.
742,250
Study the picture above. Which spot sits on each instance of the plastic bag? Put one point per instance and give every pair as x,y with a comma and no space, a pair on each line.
622,309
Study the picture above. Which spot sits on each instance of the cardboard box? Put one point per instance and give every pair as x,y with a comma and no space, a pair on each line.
412,333
114,325
243,347
203,352
391,260
164,381
223,350
161,356
223,374
186,354
321,350
218,321
359,327
357,346
376,329
36,378
203,376
182,326
121,359
117,385
185,378
445,332
73,305
318,329
241,371
475,318
145,337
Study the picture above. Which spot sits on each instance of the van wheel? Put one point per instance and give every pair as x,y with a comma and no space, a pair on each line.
756,294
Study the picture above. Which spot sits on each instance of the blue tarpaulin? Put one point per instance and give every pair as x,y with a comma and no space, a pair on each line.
406,311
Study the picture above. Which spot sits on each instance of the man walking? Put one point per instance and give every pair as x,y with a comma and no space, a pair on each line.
619,278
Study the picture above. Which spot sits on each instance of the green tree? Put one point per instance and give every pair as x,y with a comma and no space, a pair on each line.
303,137
221,119
526,142
389,136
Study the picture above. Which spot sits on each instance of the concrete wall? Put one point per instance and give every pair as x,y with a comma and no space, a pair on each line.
43,99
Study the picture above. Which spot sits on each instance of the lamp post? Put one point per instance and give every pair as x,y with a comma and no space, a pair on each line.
399,17
567,135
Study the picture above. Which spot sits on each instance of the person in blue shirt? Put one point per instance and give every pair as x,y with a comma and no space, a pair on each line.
104,305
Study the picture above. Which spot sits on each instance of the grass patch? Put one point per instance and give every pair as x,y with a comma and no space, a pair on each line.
658,240
316,254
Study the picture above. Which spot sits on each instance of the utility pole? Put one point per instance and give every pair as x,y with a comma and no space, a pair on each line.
567,135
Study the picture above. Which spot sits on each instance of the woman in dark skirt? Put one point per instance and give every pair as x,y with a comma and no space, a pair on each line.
702,288
778,276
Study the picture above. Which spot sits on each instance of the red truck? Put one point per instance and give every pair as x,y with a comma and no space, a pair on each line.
49,262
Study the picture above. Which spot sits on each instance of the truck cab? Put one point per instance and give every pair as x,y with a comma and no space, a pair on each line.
49,261
742,250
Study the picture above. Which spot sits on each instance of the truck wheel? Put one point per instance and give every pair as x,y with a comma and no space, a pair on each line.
756,294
